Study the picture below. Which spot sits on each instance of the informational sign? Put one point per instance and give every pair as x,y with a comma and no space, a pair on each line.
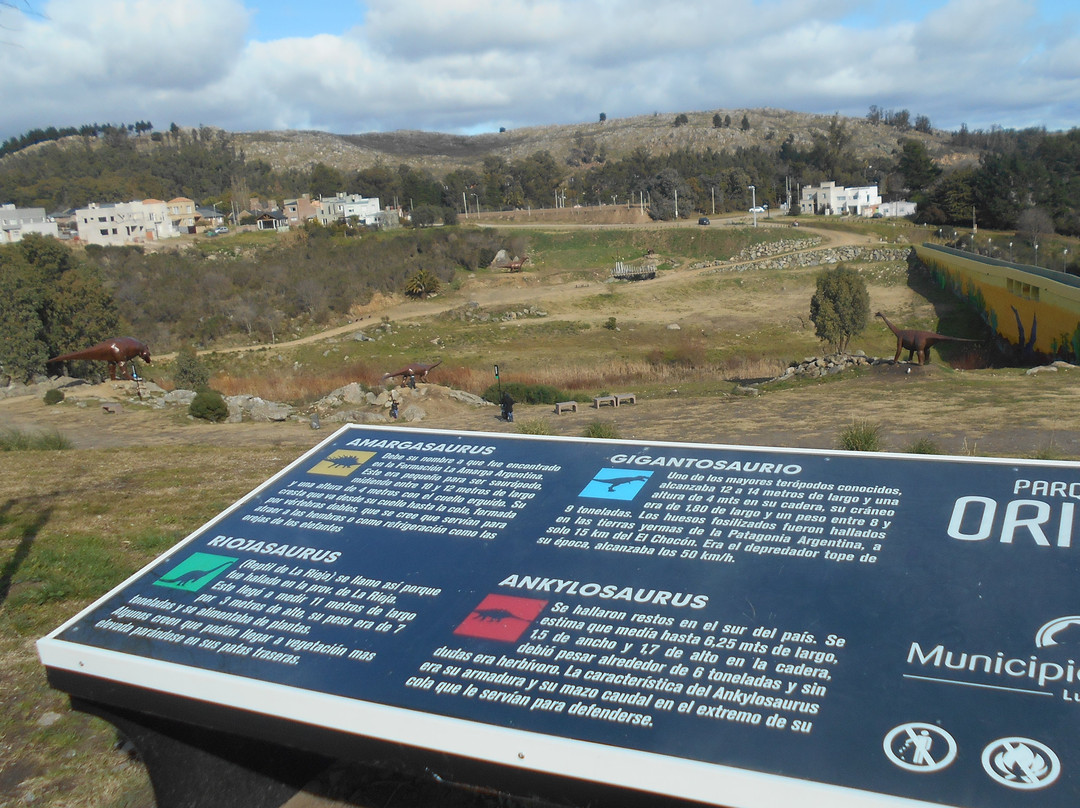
742,626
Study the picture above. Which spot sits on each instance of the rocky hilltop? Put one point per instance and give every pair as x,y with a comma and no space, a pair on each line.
618,137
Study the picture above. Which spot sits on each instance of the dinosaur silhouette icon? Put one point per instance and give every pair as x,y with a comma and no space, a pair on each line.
193,575
494,615
617,481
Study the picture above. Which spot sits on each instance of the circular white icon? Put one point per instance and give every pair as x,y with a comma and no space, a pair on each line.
1021,763
919,747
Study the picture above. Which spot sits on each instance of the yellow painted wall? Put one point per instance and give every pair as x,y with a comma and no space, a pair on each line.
1046,301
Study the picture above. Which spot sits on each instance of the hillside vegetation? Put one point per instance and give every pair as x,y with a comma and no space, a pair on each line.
709,161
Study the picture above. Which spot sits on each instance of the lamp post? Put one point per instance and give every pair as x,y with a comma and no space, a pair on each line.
1010,252
1036,253
753,203
1065,261
476,201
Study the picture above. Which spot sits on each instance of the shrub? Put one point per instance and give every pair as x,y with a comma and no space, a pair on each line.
525,393
611,324
209,406
601,429
924,446
534,426
189,373
861,436
53,395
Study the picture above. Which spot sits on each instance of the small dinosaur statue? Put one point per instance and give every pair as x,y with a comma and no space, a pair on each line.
412,371
115,351
917,342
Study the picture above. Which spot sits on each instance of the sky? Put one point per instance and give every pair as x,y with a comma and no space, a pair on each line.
471,66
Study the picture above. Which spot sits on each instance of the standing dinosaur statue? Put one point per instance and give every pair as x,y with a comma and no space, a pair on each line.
412,371
917,342
115,351
515,265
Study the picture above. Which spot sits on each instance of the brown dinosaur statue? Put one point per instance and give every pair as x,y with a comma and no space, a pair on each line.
115,351
412,371
515,265
917,342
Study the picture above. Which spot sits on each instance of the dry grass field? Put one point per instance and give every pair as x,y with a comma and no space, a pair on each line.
73,523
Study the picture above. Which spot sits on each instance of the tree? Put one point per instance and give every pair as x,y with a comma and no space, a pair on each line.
917,166
840,308
717,121
603,117
681,119
745,124
1034,223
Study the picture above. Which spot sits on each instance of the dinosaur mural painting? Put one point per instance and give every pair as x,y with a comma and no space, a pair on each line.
917,342
115,351
413,370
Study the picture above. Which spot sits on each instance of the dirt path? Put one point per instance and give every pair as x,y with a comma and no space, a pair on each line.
509,289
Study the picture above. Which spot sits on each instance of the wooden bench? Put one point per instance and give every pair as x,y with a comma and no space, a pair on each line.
624,398
565,406
599,401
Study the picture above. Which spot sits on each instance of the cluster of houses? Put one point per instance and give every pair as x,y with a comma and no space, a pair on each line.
147,220
139,222
829,199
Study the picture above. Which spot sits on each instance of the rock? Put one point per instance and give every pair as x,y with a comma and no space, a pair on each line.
353,394
269,411
412,413
674,327
184,397
468,398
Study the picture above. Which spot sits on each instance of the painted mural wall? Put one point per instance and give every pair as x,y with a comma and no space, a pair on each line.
1035,309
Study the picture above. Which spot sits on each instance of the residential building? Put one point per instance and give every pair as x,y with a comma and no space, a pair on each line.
348,208
829,199
298,211
124,222
274,220
182,214
17,222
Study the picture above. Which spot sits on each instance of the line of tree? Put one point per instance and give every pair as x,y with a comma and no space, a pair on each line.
1018,171
35,136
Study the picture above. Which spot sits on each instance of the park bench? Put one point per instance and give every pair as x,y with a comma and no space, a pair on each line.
625,398
565,406
599,401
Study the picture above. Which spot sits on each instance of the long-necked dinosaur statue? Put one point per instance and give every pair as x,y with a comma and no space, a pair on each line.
414,370
115,351
917,342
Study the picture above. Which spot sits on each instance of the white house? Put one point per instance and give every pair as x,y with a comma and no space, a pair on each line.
125,222
17,222
344,207
831,200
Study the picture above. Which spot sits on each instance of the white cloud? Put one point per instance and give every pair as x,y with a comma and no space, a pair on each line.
429,64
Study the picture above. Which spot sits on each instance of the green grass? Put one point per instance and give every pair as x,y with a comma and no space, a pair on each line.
861,436
15,440
601,429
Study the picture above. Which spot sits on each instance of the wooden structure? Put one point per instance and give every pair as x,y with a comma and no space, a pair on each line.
629,271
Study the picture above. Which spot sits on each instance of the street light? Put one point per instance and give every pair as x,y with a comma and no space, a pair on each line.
476,200
1036,253
1010,252
1064,261
753,203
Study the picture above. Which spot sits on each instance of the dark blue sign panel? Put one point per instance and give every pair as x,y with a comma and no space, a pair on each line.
750,627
